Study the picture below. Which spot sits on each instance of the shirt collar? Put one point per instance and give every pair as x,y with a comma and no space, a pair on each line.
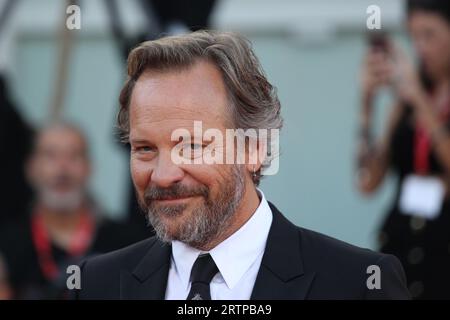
232,258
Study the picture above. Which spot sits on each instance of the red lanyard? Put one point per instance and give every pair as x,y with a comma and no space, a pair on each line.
421,150
79,243
422,145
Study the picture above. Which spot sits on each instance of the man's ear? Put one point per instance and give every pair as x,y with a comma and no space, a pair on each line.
256,154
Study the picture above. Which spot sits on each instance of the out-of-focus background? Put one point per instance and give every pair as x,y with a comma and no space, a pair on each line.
311,51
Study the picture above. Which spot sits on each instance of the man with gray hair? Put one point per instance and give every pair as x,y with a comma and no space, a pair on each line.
217,237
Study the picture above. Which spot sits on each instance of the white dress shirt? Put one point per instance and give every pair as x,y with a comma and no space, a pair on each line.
238,259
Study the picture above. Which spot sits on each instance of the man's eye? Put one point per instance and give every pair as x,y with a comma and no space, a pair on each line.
192,150
144,149
196,146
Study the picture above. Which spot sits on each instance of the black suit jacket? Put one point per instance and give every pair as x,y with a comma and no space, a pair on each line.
297,264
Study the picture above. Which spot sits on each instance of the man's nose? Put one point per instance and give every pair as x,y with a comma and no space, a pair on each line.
166,172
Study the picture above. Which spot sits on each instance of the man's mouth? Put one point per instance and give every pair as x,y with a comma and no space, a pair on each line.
174,199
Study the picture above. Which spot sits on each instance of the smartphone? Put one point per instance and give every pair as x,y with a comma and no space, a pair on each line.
378,40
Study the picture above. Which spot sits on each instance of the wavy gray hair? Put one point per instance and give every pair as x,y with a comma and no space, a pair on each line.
254,101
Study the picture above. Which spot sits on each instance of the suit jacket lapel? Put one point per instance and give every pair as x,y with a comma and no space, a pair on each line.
149,279
281,275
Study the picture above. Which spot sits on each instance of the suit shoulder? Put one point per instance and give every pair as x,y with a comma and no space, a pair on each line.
334,253
338,265
100,275
122,258
347,266
316,243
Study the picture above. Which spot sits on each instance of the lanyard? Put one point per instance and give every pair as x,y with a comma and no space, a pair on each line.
421,150
79,243
422,144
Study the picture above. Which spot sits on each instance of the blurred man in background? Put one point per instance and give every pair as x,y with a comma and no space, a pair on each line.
64,224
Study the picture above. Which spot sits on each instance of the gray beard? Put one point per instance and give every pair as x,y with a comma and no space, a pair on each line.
207,222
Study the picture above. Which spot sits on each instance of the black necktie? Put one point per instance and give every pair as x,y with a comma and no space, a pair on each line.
203,271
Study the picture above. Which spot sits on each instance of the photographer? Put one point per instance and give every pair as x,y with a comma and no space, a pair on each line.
415,145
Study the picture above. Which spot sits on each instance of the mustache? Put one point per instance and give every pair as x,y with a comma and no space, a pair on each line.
175,191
